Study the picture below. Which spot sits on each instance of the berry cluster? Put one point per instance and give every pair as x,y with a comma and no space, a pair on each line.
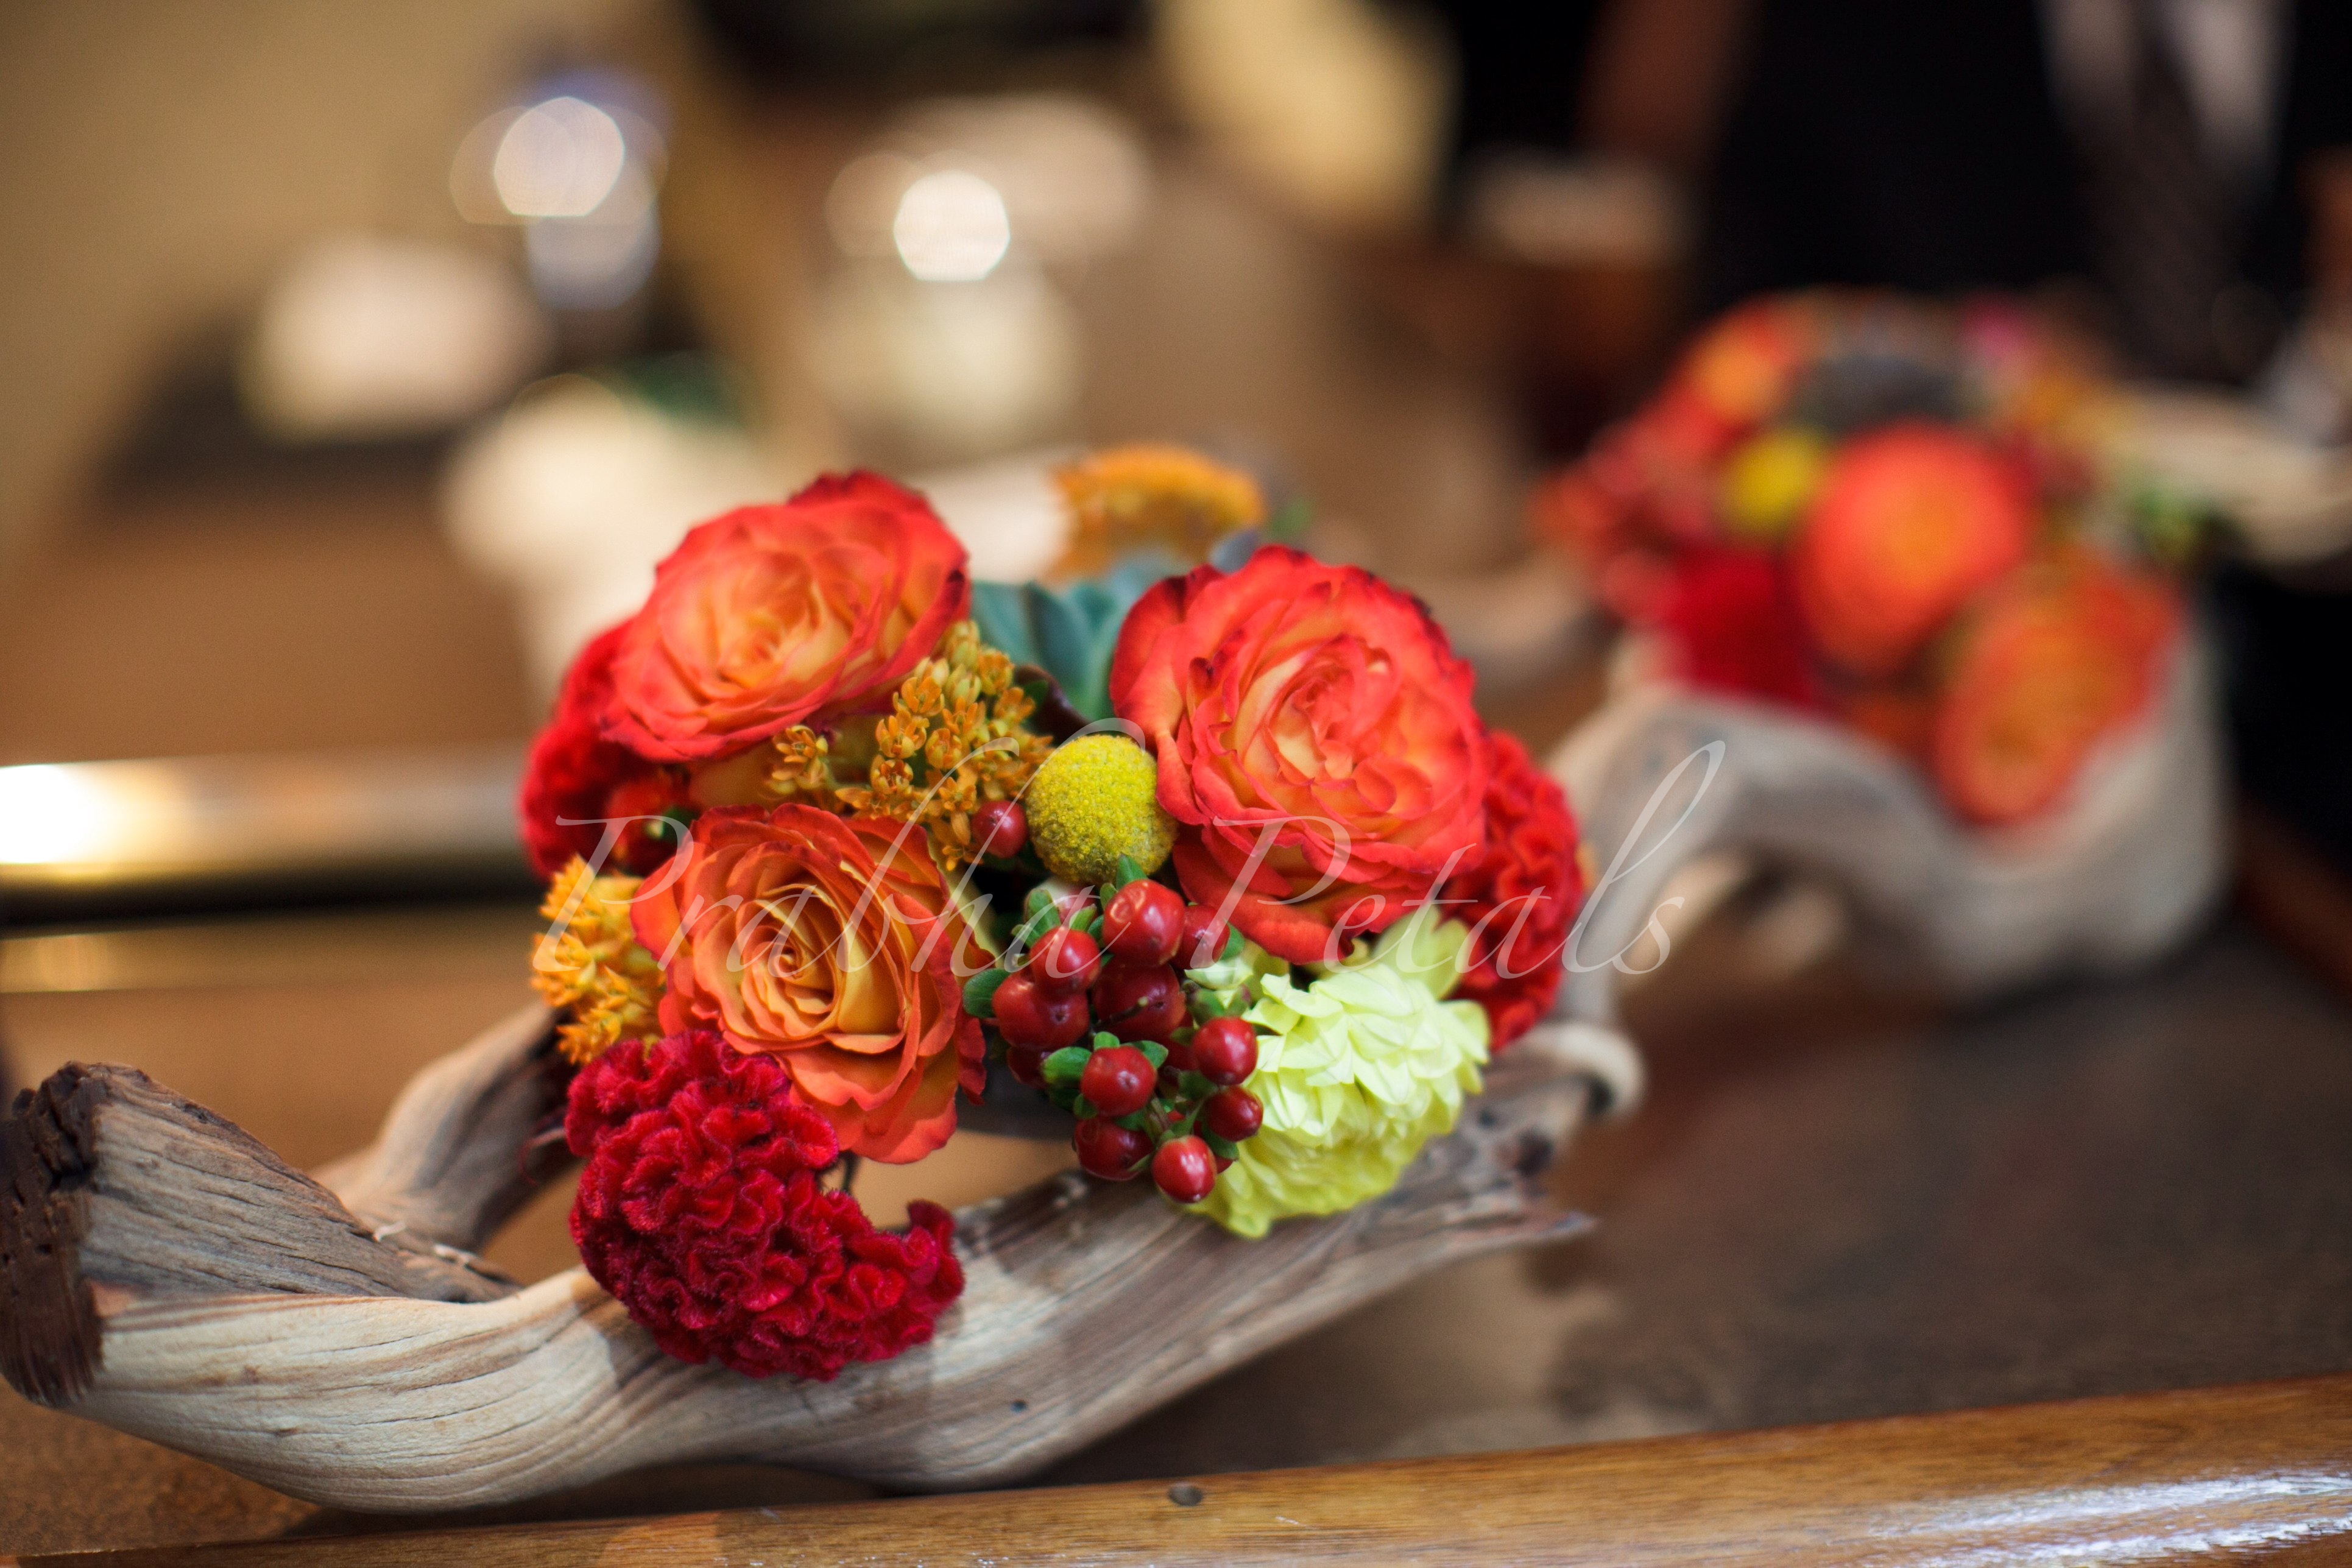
1092,1008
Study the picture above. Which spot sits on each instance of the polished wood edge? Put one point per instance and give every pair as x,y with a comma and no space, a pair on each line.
2259,1470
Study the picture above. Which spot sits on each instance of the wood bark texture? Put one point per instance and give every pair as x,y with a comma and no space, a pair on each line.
2121,872
165,1275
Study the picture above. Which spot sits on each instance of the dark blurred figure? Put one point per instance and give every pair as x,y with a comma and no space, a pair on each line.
2160,152
2154,147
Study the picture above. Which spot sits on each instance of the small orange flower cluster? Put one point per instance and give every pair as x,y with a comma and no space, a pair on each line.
590,964
1130,498
955,737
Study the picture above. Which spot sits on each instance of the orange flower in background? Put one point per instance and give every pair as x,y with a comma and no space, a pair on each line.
1738,373
2051,662
834,947
776,616
1909,522
1149,494
1317,704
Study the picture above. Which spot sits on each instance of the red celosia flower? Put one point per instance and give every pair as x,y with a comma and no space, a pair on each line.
1519,896
1909,522
576,781
2053,660
699,1210
1731,625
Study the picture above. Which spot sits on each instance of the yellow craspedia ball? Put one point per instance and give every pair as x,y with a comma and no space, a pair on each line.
1093,801
1770,479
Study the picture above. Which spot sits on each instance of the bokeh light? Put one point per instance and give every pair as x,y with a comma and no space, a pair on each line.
952,227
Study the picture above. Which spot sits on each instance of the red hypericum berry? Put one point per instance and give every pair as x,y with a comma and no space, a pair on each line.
1226,1051
1108,1150
1232,1114
1118,1080
1185,1169
1029,1015
1136,1004
1000,827
1027,1064
1070,906
1064,961
1143,921
1224,1163
1205,937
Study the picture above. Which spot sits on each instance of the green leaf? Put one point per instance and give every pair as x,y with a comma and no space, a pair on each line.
1193,1086
1003,616
1088,922
1232,944
979,992
1104,1040
1224,1148
1136,1120
1153,1052
1083,1107
1065,1066
1039,900
1129,871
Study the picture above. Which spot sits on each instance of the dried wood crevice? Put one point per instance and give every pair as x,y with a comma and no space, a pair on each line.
169,1277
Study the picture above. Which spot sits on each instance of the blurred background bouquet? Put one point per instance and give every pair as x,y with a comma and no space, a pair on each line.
1896,516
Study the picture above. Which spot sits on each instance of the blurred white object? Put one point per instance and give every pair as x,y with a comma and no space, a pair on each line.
572,497
1562,212
1071,175
1338,105
952,227
581,169
362,338
946,371
1008,512
2308,385
2290,500
559,159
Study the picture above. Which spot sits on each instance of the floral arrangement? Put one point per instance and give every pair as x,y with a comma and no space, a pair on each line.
1202,842
1892,514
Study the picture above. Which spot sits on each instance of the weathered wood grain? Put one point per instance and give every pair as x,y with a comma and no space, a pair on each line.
1086,1305
2259,1472
2119,873
115,1184
470,1139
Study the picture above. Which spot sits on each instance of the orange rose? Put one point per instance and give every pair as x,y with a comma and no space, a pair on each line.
1908,523
833,946
1315,734
776,616
2054,660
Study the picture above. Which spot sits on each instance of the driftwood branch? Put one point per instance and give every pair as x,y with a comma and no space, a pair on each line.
167,1275
470,1139
116,1187
2118,874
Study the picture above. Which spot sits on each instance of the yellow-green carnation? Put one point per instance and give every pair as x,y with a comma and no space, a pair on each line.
1357,1070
